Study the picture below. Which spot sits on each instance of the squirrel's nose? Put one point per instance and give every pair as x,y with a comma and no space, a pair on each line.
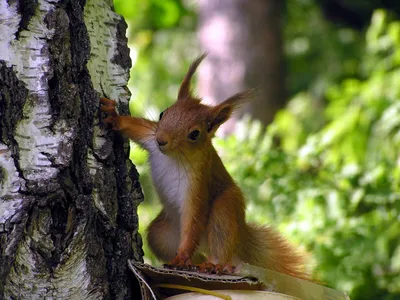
161,141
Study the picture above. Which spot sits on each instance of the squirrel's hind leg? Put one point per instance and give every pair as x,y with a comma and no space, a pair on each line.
163,237
223,232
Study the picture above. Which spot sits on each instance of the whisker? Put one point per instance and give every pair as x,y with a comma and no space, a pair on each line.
144,139
184,167
146,134
151,127
187,160
147,110
179,173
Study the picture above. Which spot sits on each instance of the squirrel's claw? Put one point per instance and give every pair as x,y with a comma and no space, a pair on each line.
180,262
229,269
107,102
108,106
113,120
210,268
108,109
206,267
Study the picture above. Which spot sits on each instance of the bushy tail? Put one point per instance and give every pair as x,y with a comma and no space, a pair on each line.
266,248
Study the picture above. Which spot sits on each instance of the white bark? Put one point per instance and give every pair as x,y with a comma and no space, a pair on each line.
66,203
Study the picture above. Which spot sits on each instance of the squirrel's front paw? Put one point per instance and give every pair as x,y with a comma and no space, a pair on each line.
108,106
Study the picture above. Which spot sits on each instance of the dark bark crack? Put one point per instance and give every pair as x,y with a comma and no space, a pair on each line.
15,229
121,56
2,175
13,95
26,9
68,202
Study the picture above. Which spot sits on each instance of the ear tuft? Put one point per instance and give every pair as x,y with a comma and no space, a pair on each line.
239,99
224,110
184,90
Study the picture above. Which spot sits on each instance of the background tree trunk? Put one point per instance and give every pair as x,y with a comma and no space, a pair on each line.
68,194
244,45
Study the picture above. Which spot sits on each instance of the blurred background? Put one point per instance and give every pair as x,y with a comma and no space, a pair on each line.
317,152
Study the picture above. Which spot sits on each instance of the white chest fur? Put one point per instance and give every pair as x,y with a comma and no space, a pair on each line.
170,176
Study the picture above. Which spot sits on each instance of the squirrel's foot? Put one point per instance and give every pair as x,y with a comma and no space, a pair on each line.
181,261
210,268
229,269
184,264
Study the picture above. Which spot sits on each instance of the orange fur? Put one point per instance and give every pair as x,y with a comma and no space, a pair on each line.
203,208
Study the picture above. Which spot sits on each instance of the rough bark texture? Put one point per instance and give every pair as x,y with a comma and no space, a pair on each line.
68,193
244,46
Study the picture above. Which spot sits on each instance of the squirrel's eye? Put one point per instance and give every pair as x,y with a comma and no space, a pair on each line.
161,114
194,135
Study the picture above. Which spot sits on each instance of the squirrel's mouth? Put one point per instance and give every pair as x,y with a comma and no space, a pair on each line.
162,149
168,150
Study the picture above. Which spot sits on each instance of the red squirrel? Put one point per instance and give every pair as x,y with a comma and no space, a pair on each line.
203,208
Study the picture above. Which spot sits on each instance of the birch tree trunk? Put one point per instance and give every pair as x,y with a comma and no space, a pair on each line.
68,194
244,45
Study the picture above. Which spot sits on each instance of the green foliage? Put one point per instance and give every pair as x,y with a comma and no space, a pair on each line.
327,171
334,183
318,53
162,43
151,14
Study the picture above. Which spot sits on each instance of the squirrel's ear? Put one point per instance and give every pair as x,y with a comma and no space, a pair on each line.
184,90
223,111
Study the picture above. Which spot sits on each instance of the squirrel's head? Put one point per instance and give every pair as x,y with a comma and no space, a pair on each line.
188,125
